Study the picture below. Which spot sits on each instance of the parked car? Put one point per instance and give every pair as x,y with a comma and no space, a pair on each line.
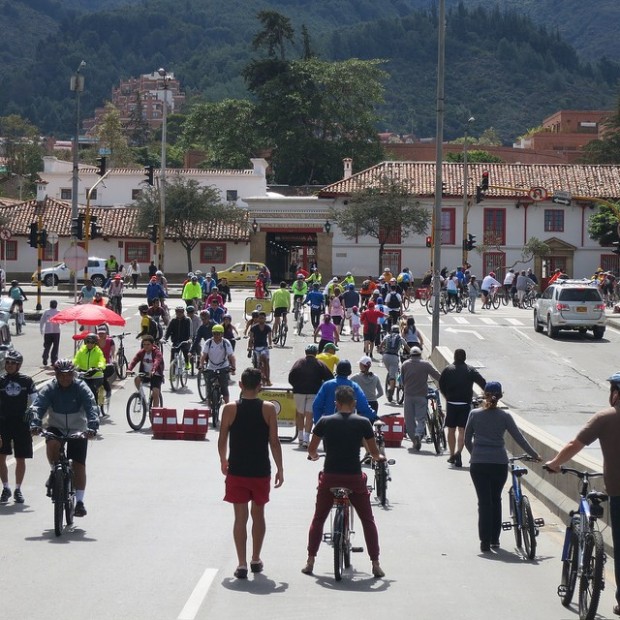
570,304
5,335
241,273
61,273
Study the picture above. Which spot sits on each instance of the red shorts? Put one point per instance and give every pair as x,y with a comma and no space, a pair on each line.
242,489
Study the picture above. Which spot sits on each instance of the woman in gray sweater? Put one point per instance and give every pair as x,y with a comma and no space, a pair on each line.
484,439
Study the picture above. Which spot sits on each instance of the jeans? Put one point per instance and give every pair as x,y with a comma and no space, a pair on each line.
489,480
415,415
50,341
614,522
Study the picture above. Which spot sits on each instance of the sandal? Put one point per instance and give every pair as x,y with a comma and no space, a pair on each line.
241,572
256,567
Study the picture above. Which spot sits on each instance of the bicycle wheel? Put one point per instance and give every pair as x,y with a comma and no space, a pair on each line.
569,568
381,482
400,393
192,367
346,539
174,376
337,543
136,411
505,298
102,401
202,385
591,582
496,301
300,322
283,335
528,527
121,365
430,302
183,376
515,518
438,434
275,334
18,325
405,302
58,497
69,500
389,391
215,403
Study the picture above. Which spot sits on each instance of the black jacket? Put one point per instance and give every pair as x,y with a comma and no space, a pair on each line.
308,374
457,381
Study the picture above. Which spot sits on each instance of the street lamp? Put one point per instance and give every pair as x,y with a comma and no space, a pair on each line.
470,120
162,174
76,86
254,226
327,226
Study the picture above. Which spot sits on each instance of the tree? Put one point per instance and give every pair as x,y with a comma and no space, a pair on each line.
534,247
384,210
474,156
193,212
607,149
604,225
20,145
277,30
138,127
111,135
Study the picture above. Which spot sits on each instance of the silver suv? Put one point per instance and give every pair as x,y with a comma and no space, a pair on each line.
570,304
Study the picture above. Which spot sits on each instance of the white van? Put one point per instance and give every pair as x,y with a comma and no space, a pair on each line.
61,273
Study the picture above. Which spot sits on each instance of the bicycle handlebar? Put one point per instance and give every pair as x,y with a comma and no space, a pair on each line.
521,457
74,435
580,474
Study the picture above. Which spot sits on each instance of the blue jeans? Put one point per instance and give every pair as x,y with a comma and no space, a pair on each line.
614,522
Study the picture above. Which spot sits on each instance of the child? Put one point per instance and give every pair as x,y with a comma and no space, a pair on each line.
355,324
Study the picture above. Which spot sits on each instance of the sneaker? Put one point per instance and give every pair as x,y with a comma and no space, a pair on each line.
417,442
451,459
80,509
18,497
484,547
6,495
458,461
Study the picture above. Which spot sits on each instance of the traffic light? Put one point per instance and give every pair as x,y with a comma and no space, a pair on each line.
616,250
485,181
153,232
148,172
429,242
34,235
96,231
471,242
101,164
479,194
77,227
43,238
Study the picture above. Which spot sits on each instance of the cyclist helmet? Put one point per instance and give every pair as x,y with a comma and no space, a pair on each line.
14,282
300,276
198,272
395,329
159,273
143,307
14,356
190,274
614,379
180,309
218,329
190,309
227,316
64,366
204,313
315,286
91,338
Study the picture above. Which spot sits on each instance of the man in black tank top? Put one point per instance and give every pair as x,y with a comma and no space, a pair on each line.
342,435
252,426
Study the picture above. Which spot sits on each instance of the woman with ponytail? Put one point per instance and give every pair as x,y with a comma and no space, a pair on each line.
484,439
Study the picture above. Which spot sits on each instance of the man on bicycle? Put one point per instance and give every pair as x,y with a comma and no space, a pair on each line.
299,289
281,304
192,292
115,293
488,282
218,354
178,333
316,301
90,360
260,341
71,408
342,434
151,363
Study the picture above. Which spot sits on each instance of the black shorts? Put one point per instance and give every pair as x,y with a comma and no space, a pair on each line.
280,311
154,381
456,415
16,436
370,333
76,448
336,320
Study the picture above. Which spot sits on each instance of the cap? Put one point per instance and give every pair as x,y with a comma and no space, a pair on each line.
343,368
330,345
118,276
102,329
91,338
365,360
312,349
395,329
218,329
493,387
355,308
615,378
159,273
415,351
371,304
190,309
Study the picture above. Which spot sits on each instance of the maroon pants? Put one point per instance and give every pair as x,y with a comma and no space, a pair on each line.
360,500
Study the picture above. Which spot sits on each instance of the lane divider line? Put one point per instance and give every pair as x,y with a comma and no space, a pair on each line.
198,595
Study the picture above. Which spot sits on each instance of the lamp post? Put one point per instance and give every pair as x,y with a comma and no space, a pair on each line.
77,86
162,174
466,203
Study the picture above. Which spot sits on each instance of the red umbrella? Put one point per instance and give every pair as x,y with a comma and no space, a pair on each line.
88,314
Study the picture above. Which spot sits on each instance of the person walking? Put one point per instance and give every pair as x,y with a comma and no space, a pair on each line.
133,271
369,382
456,384
604,426
342,434
249,429
473,290
51,333
328,331
484,440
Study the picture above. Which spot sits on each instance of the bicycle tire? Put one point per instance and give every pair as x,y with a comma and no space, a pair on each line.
214,403
121,365
569,569
406,302
514,513
400,394
183,377
389,392
283,335
275,335
58,497
101,400
337,543
591,581
201,382
300,323
192,367
174,376
496,301
438,434
69,500
381,482
18,326
136,411
346,539
528,527
505,299
429,304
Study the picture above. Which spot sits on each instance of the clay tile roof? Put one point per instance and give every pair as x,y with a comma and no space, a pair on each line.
505,180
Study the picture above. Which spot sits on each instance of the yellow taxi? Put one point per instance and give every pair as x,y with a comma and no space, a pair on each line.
241,273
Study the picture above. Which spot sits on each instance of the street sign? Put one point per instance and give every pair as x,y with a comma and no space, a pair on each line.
562,198
537,194
105,151
75,257
52,238
5,234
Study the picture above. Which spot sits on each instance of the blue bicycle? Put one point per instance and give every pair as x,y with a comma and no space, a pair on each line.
523,524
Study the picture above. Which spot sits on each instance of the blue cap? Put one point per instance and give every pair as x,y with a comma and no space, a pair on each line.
615,378
493,387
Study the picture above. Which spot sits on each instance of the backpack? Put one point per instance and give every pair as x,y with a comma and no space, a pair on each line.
393,302
392,344
155,329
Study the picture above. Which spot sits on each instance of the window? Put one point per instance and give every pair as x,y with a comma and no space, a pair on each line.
8,250
65,193
494,226
494,261
93,195
136,193
212,252
554,220
394,237
448,234
231,195
391,260
610,262
137,250
50,252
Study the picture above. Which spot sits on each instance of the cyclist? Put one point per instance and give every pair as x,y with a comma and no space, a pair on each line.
218,354
368,286
281,304
115,293
159,311
178,333
90,360
216,312
299,289
523,285
349,299
16,293
488,282
509,281
107,346
452,288
260,341
162,281
391,347
347,280
370,321
215,294
253,320
404,278
192,292
149,325
204,332
412,334
154,290
315,277
342,434
316,301
194,321
328,291
230,331
70,407
17,391
151,364
224,288
394,303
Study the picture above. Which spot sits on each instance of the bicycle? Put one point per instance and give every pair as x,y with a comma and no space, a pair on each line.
435,419
381,469
210,391
300,320
297,307
408,297
16,316
493,299
523,524
116,304
583,555
258,361
121,363
399,387
178,371
282,332
443,303
138,405
101,398
60,484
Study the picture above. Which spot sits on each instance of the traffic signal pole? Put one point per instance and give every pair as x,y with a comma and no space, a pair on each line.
87,216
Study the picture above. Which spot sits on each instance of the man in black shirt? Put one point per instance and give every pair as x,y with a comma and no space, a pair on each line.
252,425
178,333
260,341
342,435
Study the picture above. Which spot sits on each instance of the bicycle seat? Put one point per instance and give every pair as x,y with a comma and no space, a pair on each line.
519,471
340,492
597,497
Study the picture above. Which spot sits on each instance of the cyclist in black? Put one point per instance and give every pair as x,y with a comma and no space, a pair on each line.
178,332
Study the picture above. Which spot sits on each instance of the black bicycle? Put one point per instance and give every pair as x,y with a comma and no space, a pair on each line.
381,468
210,391
121,359
435,420
139,404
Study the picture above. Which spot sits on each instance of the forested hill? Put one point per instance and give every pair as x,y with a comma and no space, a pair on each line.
504,69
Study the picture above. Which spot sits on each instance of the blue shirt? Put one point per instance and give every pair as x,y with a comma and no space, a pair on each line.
315,299
154,290
325,401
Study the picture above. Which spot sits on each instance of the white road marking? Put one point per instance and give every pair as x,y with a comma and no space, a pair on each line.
487,321
198,595
515,322
522,333
464,331
461,320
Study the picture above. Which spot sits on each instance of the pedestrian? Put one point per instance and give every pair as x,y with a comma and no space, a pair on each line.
370,322
87,293
456,384
17,391
355,321
369,382
306,377
329,357
252,426
473,290
604,426
133,271
414,374
484,439
111,266
342,434
523,285
316,301
51,333
152,269
328,331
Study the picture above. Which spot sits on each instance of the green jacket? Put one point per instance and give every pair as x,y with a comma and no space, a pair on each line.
85,360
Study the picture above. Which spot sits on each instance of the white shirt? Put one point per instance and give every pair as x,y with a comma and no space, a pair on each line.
217,354
488,282
509,279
